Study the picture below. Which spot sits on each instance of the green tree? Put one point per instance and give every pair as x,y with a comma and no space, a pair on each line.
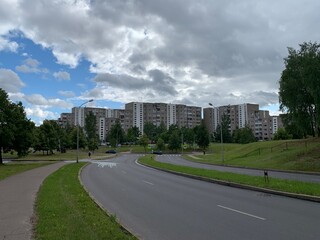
15,129
150,130
160,144
91,134
243,135
133,134
202,136
299,88
226,135
144,141
174,140
116,133
282,134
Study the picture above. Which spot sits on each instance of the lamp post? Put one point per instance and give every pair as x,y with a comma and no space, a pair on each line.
221,138
78,127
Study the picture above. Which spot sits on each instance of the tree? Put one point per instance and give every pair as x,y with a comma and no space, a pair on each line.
160,144
116,133
282,134
150,130
133,134
48,137
226,136
299,88
90,129
202,136
243,135
174,140
15,129
144,141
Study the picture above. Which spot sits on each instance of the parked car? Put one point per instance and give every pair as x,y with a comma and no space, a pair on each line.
157,152
111,151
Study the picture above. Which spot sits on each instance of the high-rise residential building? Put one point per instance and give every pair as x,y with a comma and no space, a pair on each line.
188,116
171,115
65,119
240,116
135,115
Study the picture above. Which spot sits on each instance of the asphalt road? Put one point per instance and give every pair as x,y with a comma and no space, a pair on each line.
161,206
176,159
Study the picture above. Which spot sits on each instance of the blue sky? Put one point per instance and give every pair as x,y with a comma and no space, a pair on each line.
55,55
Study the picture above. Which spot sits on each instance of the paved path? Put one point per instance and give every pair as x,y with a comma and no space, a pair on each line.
17,198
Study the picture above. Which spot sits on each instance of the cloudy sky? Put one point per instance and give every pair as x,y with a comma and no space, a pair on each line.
57,54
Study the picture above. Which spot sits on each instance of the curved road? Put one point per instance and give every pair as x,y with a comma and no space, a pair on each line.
178,160
162,206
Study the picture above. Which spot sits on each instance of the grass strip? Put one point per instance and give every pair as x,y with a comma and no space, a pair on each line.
290,186
65,210
10,169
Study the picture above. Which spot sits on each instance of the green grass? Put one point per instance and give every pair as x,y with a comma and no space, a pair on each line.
9,169
295,155
289,186
65,211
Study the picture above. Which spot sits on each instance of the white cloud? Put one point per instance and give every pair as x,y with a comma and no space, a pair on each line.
68,94
10,81
31,66
6,45
39,100
191,51
62,75
39,113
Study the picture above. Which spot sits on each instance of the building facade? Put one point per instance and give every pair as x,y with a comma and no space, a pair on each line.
262,124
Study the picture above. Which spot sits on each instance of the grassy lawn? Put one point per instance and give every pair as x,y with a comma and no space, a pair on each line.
65,211
312,189
9,169
302,155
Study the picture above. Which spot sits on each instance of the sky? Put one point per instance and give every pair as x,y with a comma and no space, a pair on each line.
58,54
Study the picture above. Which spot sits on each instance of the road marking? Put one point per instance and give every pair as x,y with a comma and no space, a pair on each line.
237,211
106,164
147,182
124,172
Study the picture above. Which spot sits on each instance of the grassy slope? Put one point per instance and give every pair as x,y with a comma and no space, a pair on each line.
65,211
312,189
284,155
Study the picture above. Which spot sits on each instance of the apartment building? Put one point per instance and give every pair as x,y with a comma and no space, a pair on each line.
262,124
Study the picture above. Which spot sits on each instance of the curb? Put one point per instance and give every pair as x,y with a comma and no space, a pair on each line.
100,205
242,186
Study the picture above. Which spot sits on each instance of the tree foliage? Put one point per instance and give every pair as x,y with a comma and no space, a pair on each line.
202,136
299,88
116,134
244,135
91,134
15,129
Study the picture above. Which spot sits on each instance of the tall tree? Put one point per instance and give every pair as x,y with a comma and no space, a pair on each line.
116,133
91,134
15,129
150,130
202,136
144,141
299,88
174,140
133,134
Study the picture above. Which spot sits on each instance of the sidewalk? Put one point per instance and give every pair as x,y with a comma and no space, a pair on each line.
17,199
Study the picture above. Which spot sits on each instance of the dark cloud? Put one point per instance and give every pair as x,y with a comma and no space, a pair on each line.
157,82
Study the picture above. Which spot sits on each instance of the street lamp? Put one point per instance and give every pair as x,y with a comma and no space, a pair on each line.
78,127
221,138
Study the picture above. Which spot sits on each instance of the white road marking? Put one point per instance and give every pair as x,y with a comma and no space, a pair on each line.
106,164
147,182
244,213
124,172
